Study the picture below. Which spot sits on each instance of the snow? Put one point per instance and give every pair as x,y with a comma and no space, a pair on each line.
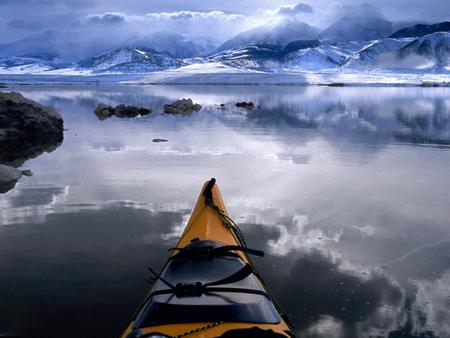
220,74
34,68
323,57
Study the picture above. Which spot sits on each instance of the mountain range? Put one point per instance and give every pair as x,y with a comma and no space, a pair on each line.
286,45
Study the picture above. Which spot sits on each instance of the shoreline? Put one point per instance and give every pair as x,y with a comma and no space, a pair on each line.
326,79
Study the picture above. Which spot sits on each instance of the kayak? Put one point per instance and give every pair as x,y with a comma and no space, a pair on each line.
209,286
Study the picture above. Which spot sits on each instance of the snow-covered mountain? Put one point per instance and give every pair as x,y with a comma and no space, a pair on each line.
25,65
256,57
287,45
64,45
377,54
61,46
430,52
176,45
421,30
357,29
278,33
301,55
130,60
317,58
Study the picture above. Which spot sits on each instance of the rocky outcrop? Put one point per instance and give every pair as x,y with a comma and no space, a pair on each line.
27,129
104,111
182,107
246,105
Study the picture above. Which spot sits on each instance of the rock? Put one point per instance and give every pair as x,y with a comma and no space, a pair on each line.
123,111
8,173
182,107
27,172
104,111
8,177
27,129
246,105
159,140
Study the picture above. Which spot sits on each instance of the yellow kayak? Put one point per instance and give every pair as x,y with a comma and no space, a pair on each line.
209,287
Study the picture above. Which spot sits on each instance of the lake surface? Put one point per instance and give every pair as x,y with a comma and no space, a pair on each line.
346,189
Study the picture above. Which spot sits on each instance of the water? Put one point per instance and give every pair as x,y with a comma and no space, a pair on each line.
346,189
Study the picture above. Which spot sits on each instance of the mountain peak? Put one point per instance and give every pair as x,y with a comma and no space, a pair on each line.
278,33
357,28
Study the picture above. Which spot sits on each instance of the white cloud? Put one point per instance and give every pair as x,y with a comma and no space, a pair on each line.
188,23
107,18
189,15
433,303
298,235
292,10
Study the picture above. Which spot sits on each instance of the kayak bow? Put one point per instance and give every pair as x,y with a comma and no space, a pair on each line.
209,287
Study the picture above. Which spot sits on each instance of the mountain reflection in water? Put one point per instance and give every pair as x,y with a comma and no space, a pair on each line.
346,189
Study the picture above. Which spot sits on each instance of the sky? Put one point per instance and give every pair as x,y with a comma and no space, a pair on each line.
217,19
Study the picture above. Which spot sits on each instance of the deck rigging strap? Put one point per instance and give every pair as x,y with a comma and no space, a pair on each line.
198,288
210,252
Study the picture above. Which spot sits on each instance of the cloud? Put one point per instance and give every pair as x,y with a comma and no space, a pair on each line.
189,15
432,302
358,10
107,18
295,235
191,23
293,10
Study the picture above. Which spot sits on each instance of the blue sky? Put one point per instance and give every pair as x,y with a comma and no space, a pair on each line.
217,18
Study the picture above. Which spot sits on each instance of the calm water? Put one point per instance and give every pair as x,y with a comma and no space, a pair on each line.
346,189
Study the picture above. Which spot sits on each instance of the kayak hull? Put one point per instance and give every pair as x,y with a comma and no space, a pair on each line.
208,222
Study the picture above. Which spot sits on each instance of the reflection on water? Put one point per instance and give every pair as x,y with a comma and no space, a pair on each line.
346,189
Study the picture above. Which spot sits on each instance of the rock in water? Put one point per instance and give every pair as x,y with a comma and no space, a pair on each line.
104,111
27,128
8,173
130,111
182,107
246,105
27,172
8,177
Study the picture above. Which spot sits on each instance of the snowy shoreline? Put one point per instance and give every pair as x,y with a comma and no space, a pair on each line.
220,75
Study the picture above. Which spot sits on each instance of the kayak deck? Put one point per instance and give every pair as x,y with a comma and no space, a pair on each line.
209,288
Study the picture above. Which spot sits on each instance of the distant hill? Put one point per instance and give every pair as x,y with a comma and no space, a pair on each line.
421,30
